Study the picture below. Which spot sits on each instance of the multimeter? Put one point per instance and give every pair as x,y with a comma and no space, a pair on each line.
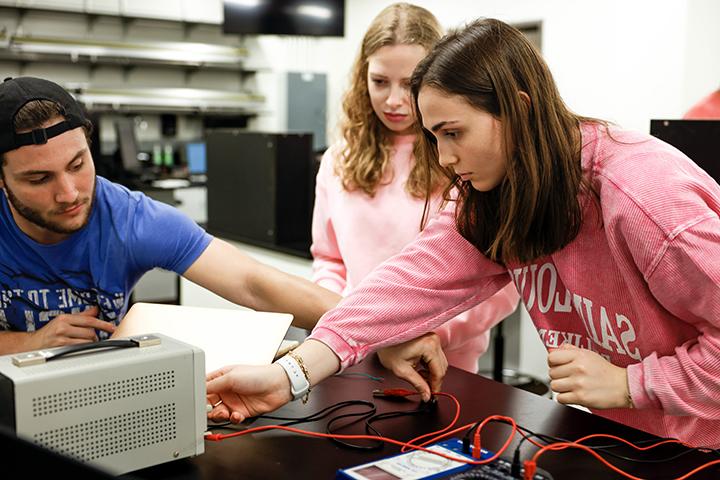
419,465
413,465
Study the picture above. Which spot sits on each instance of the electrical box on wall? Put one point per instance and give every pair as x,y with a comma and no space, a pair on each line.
260,187
307,106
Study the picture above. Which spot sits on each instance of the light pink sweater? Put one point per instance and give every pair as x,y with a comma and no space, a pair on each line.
353,233
643,289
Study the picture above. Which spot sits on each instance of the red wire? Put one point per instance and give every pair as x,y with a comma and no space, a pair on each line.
216,437
439,432
530,465
499,418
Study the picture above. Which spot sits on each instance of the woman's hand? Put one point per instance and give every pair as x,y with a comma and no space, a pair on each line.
419,361
241,391
583,377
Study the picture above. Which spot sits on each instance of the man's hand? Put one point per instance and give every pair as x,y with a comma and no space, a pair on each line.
418,361
239,391
69,329
582,377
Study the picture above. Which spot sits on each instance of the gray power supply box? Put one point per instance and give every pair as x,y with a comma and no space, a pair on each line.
119,409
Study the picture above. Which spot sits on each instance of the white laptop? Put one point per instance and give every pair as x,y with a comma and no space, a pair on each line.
227,336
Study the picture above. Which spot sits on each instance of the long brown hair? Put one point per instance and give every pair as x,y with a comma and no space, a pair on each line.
535,211
367,145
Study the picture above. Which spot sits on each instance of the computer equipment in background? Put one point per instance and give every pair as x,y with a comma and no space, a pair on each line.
168,125
698,139
285,17
128,146
260,187
196,158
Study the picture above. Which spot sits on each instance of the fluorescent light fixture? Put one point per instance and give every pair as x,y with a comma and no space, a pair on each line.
246,3
315,11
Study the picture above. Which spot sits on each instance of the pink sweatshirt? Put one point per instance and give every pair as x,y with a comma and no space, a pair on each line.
643,289
353,233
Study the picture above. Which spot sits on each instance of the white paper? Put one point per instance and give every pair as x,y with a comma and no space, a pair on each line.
227,336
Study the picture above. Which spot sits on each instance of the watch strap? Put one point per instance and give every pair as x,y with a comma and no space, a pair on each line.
299,384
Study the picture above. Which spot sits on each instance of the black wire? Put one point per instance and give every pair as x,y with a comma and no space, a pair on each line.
606,448
319,415
375,444
370,429
313,417
369,416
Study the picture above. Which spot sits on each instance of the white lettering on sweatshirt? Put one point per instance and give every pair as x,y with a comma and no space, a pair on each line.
604,332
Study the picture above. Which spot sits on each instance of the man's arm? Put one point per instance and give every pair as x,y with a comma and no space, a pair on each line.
65,329
15,342
226,271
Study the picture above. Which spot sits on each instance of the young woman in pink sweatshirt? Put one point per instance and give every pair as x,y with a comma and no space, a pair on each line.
370,193
611,237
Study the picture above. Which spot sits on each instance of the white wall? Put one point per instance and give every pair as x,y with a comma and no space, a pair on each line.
702,53
625,61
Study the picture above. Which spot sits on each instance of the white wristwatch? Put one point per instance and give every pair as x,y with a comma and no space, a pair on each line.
299,385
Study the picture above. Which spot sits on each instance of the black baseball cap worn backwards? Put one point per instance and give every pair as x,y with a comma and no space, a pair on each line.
16,92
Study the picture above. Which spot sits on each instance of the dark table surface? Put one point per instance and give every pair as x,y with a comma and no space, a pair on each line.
280,455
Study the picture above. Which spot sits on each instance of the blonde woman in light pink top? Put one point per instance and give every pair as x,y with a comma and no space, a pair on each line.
368,206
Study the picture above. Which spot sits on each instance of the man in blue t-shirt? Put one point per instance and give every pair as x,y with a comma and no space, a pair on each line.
73,245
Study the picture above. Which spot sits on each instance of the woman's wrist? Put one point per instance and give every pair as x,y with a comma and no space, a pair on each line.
283,382
297,373
319,360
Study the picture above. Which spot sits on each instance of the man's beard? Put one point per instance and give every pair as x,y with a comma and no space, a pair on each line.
36,218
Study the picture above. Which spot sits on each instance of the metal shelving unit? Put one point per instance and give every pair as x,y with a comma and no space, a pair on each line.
191,56
167,99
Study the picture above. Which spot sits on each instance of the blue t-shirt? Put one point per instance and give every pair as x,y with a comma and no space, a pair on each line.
127,235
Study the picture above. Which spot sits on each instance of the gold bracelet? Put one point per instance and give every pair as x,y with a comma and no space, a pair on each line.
304,369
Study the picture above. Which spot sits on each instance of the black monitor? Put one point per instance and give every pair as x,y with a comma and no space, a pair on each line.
285,17
128,146
698,139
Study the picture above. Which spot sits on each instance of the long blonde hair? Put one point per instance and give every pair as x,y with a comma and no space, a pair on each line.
367,146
